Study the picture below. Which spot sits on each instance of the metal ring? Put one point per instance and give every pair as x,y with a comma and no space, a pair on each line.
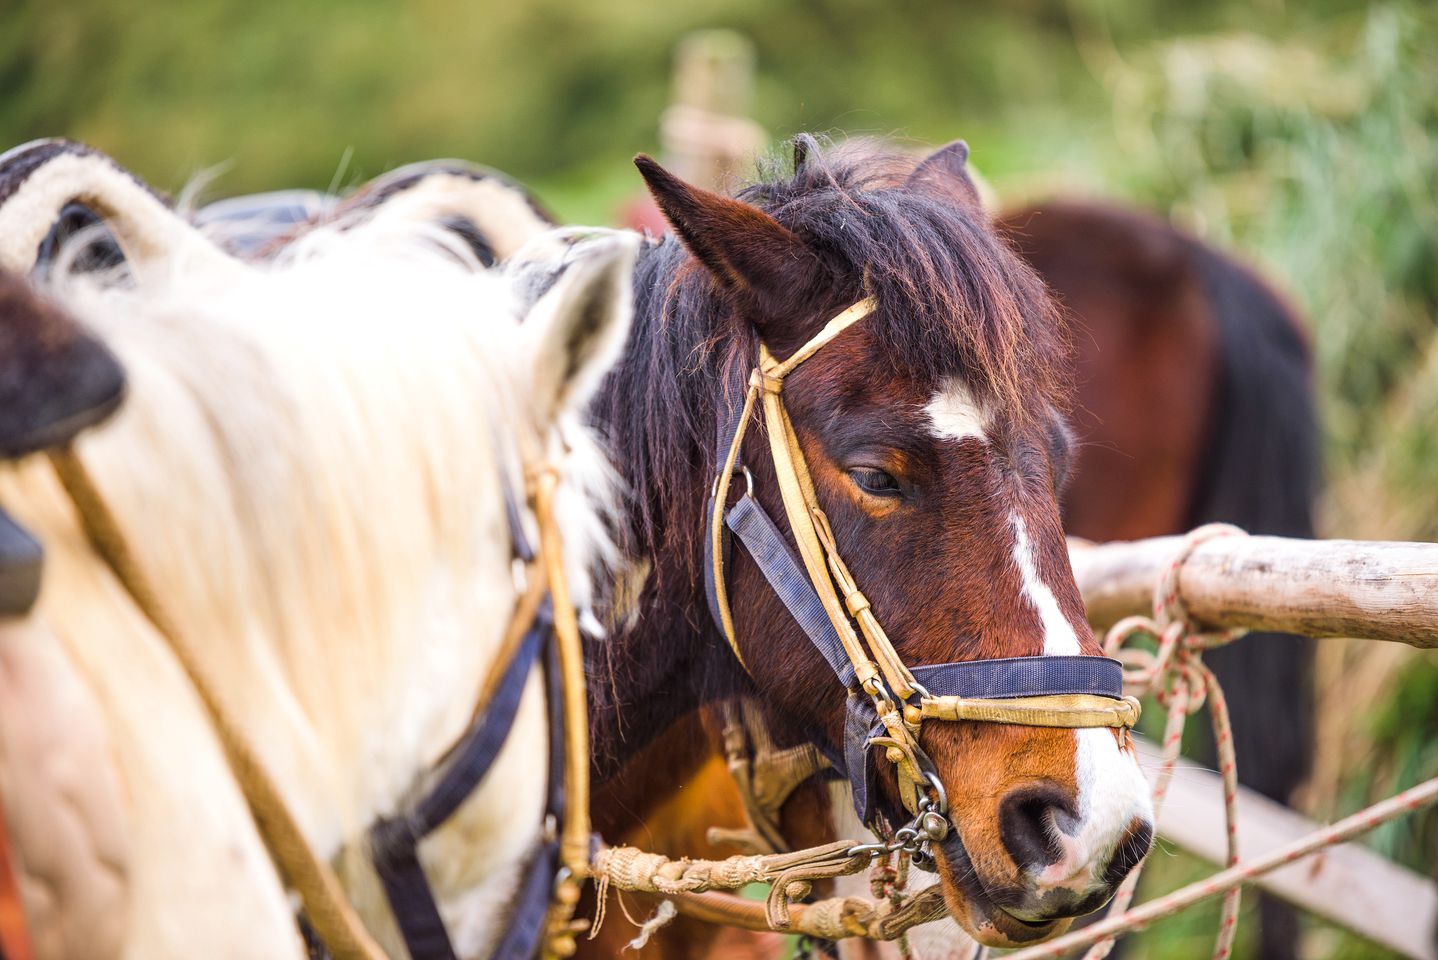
933,779
748,482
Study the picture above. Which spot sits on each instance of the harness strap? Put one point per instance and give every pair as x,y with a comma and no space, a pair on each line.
796,488
395,840
1032,677
715,582
552,626
575,841
766,545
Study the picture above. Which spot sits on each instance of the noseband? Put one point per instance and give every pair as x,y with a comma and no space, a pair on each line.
887,701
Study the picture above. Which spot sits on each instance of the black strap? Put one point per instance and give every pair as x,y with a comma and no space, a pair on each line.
530,906
1023,677
395,840
518,539
22,561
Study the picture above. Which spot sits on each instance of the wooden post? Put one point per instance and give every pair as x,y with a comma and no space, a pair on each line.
706,132
1319,588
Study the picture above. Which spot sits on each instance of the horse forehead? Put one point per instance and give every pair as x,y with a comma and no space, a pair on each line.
954,413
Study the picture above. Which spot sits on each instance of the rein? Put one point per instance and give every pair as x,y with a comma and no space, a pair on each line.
550,887
888,701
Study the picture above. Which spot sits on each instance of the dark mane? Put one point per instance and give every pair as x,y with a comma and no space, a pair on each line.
954,302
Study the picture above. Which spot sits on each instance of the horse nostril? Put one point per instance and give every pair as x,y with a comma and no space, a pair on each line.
1130,851
1029,820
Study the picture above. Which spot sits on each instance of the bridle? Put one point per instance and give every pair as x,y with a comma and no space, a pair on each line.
887,702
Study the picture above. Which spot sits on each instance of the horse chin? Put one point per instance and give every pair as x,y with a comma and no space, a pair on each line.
973,909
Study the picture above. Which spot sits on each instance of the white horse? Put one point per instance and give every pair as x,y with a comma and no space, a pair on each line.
309,467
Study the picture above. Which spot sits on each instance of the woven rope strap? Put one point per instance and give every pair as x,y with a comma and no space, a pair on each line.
1064,710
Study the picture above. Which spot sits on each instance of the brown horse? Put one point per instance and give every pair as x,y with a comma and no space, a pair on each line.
934,435
1195,405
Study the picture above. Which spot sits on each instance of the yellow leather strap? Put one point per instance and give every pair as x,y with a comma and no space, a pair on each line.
716,524
574,831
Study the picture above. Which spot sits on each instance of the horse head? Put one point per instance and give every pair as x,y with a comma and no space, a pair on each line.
933,434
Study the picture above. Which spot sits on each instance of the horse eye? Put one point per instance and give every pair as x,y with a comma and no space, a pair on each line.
875,482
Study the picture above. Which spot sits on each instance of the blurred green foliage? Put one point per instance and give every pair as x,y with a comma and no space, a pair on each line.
1302,135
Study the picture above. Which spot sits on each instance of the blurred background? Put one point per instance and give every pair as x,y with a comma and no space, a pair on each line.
1302,137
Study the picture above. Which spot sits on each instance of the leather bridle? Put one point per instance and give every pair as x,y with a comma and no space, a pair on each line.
887,702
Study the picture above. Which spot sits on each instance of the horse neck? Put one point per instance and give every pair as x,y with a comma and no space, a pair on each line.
334,545
660,409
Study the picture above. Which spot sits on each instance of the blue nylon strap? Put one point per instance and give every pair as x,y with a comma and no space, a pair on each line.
1023,677
790,581
394,841
525,930
861,724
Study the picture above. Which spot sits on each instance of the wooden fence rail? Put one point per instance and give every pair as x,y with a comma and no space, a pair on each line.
1319,588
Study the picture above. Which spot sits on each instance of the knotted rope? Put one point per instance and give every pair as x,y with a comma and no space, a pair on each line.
790,875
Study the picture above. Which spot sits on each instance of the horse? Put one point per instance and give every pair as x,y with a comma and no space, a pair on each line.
1195,404
311,464
933,436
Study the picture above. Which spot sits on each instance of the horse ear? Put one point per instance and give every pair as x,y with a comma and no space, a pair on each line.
805,146
746,249
576,331
946,170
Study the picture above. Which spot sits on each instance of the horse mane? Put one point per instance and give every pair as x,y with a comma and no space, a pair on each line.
360,366
955,301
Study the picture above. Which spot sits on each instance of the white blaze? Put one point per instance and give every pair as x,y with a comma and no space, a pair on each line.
1112,791
1059,636
955,415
